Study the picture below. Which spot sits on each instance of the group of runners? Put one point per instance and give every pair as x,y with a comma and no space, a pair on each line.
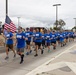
38,40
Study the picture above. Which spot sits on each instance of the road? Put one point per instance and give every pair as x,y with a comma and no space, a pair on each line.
12,66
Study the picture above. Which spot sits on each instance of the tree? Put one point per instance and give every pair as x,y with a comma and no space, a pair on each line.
56,23
61,23
51,28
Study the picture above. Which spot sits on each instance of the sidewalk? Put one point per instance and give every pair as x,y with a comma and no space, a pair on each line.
56,62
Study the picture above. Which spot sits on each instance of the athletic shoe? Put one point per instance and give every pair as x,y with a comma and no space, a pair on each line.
35,55
42,51
34,49
14,55
6,58
54,48
48,51
21,61
27,53
22,56
30,51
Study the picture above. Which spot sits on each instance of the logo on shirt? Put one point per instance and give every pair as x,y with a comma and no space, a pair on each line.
19,36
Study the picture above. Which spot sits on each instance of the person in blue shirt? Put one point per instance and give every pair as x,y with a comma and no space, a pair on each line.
20,43
9,43
38,42
43,40
28,34
53,39
67,36
62,39
64,33
71,36
58,38
33,36
48,40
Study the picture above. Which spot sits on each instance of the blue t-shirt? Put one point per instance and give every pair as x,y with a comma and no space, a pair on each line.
9,40
57,34
48,37
43,36
20,40
61,36
28,35
64,34
38,37
53,37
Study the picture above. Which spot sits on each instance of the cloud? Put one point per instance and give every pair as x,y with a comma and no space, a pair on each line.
40,12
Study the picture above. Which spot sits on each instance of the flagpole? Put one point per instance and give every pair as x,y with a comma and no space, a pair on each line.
6,7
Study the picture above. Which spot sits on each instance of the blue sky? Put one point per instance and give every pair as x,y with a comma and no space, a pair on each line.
39,12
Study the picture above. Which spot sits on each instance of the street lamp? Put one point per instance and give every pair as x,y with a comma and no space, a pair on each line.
18,20
6,7
75,23
57,12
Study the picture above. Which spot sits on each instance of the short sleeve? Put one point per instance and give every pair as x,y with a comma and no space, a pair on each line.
11,34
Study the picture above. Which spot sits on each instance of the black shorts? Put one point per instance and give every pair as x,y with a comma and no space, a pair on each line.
38,43
48,43
53,42
58,39
28,42
71,36
43,42
66,37
9,46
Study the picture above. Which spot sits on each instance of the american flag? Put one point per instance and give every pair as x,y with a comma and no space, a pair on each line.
9,24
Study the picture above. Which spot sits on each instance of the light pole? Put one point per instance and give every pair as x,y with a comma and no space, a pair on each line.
75,21
6,7
18,21
56,12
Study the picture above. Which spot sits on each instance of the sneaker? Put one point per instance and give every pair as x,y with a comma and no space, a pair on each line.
63,45
14,55
34,49
54,48
21,61
49,51
30,51
35,55
6,58
42,51
27,53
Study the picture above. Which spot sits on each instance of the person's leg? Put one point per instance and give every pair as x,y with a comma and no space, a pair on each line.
48,45
14,52
54,46
11,47
36,50
29,47
42,51
21,53
6,52
27,53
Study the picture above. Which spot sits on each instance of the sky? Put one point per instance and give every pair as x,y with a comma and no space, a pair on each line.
39,12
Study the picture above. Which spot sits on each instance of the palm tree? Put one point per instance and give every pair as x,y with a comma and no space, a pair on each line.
56,23
61,23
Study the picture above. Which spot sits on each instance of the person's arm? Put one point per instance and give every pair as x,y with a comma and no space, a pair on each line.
24,37
11,36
